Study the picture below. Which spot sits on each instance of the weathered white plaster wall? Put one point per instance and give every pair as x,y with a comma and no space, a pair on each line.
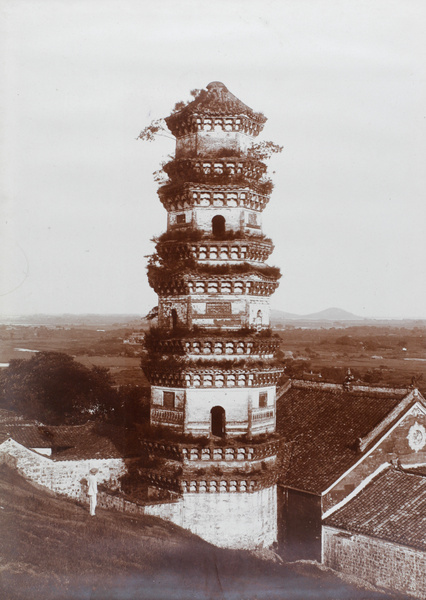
62,477
236,403
228,520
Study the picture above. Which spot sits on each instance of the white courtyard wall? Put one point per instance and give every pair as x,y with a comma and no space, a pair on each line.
62,477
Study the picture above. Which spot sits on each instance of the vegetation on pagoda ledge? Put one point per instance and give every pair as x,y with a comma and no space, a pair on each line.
184,248
181,168
156,334
185,170
155,362
196,235
158,433
206,104
244,268
161,270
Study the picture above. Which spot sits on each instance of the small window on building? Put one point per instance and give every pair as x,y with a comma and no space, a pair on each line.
263,399
169,399
180,219
252,219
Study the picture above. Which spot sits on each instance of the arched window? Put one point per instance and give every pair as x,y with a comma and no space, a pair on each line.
218,225
174,318
218,421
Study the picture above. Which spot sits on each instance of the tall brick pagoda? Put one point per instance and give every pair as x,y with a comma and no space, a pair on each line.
211,359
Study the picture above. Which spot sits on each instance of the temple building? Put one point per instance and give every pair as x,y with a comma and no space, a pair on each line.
211,359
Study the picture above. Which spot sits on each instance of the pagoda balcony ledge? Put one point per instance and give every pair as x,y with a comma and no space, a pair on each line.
170,416
191,194
212,452
263,414
219,484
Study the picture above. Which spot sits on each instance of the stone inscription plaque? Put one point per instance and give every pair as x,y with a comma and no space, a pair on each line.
218,309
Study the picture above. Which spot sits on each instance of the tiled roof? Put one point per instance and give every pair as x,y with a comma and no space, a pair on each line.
392,507
29,436
216,99
324,424
94,440
77,442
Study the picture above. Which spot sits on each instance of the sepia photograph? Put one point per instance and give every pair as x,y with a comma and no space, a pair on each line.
213,300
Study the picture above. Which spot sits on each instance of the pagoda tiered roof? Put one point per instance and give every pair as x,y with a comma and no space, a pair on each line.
210,109
216,346
249,284
241,250
211,170
191,375
190,194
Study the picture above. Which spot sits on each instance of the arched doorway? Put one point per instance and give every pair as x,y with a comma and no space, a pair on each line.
174,318
218,421
218,225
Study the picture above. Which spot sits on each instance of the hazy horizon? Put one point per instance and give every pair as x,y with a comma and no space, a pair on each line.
273,308
344,92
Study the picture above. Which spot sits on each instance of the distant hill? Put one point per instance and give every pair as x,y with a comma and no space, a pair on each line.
329,314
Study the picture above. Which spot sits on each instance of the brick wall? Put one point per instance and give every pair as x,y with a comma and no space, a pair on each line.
62,477
384,564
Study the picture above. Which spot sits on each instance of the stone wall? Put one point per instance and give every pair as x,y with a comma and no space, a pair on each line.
62,477
384,564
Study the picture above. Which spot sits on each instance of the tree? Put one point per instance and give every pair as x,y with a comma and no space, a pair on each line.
55,389
134,402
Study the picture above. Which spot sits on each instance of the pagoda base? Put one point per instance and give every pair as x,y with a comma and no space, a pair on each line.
241,521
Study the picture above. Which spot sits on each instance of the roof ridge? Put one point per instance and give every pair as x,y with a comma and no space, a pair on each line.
324,385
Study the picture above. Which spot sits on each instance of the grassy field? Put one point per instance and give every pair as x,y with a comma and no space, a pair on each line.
53,550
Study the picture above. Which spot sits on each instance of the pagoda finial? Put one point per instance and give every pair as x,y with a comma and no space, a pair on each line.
216,85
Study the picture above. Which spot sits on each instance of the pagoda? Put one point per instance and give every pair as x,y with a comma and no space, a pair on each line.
210,360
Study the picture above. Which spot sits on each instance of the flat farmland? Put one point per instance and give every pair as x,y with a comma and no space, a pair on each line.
376,355
91,347
386,355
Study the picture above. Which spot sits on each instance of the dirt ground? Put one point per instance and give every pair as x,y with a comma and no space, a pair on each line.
53,550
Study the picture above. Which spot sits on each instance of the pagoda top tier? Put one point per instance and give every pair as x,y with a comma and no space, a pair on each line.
216,108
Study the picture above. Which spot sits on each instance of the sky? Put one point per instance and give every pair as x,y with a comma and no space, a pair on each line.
343,86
